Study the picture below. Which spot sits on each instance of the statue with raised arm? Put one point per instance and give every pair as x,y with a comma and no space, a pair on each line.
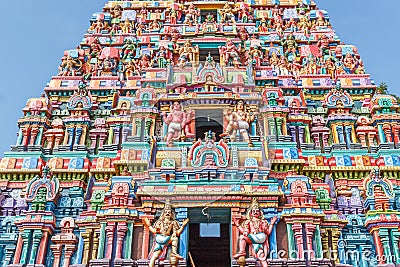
254,230
166,232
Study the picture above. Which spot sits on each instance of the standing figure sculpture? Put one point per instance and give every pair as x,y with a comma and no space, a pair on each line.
238,120
176,121
166,232
254,230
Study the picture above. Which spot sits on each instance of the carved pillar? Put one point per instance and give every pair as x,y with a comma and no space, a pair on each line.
362,138
396,133
110,238
87,246
102,138
26,236
292,130
58,139
69,251
69,135
78,134
34,133
37,236
146,240
100,252
25,138
378,246
310,228
125,133
271,126
138,127
315,137
42,249
301,134
116,135
121,231
349,133
279,126
57,249
148,124
18,249
388,133
371,137
128,242
95,243
298,235
110,136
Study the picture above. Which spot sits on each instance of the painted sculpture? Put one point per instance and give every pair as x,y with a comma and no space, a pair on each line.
166,232
255,230
212,108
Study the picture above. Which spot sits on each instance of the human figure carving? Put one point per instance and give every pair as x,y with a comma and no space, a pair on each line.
255,230
167,231
176,121
238,120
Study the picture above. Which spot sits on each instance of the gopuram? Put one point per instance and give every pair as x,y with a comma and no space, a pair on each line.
205,134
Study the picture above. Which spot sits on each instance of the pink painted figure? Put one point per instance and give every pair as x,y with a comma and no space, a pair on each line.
176,121
255,230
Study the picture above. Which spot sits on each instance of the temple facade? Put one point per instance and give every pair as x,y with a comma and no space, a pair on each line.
205,134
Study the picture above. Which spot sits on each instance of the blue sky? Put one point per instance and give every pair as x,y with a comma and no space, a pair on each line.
34,35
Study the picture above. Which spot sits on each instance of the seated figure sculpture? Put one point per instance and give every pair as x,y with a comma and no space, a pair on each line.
166,231
254,230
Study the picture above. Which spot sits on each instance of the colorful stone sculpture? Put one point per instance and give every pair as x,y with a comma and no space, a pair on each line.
172,118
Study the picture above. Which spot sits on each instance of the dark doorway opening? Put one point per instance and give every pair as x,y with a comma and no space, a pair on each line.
208,246
209,120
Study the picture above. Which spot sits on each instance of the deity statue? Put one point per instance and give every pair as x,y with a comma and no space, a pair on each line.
230,54
131,69
187,53
70,67
97,26
128,50
209,24
162,57
254,230
290,46
238,120
263,26
126,26
177,121
227,13
243,34
108,67
166,231
349,63
323,44
191,14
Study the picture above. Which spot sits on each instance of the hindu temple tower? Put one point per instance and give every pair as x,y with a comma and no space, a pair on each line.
207,134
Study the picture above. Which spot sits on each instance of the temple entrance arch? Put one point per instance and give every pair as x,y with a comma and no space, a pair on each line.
209,237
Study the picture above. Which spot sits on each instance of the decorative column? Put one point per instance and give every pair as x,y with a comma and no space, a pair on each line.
57,249
378,246
43,248
110,238
37,236
121,231
310,228
69,251
318,245
26,236
18,249
86,250
100,252
298,235
291,244
128,242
